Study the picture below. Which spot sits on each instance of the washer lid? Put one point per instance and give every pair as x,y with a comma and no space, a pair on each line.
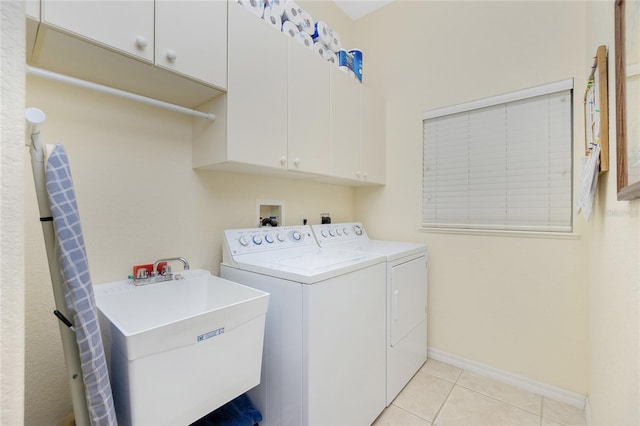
305,266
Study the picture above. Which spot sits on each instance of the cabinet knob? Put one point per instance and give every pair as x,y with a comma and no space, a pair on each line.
365,175
358,174
283,160
296,162
171,55
141,42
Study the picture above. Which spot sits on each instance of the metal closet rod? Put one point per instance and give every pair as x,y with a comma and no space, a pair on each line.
117,92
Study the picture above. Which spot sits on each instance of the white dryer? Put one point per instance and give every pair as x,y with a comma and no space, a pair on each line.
325,344
406,307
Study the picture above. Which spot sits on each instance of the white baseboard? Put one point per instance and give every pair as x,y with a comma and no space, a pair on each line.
546,390
587,411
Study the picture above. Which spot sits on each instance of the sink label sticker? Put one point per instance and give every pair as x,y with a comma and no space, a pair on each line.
210,334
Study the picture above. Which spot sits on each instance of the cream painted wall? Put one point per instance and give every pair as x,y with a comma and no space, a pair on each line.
614,271
12,247
139,201
514,303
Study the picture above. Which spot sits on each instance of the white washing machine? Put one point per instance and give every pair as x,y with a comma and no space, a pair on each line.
406,307
324,356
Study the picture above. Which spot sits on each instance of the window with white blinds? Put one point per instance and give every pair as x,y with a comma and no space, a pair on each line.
502,163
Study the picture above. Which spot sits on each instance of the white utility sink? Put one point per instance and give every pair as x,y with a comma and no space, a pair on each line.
179,349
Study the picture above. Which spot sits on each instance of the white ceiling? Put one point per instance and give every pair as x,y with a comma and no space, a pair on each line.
359,8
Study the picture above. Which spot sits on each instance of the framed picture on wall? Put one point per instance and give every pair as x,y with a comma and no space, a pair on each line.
627,44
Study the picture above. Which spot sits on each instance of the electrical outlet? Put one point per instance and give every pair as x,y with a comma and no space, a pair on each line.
137,270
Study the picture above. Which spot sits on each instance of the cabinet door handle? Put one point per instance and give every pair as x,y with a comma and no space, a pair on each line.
283,160
141,42
171,55
365,175
296,162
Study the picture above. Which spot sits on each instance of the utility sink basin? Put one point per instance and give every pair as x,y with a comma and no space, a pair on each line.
179,349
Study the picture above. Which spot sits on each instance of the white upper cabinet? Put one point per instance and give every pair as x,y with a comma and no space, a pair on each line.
32,9
309,105
256,91
286,111
373,136
345,126
188,37
358,131
123,25
191,39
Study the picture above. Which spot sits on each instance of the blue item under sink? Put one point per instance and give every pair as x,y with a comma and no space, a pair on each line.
237,412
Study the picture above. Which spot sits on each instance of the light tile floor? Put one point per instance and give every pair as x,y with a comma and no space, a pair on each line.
443,395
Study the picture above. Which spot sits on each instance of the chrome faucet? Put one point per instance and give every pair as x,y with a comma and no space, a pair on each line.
167,271
164,275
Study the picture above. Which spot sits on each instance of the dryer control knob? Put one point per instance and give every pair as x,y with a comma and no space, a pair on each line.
324,233
257,239
358,229
339,231
332,233
346,231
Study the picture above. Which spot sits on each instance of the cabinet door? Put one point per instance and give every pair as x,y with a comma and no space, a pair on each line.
191,38
32,9
309,127
345,126
123,25
373,136
256,91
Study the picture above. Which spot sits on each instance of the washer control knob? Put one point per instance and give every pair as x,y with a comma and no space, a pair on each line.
243,241
268,238
357,229
257,240
346,231
296,235
281,237
339,232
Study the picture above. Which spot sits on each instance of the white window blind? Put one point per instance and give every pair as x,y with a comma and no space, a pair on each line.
501,163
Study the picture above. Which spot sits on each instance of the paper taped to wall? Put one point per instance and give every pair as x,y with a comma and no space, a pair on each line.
589,182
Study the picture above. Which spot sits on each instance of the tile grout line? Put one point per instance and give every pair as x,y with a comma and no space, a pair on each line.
455,383
479,392
540,415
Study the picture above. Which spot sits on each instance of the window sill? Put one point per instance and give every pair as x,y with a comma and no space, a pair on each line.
502,233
